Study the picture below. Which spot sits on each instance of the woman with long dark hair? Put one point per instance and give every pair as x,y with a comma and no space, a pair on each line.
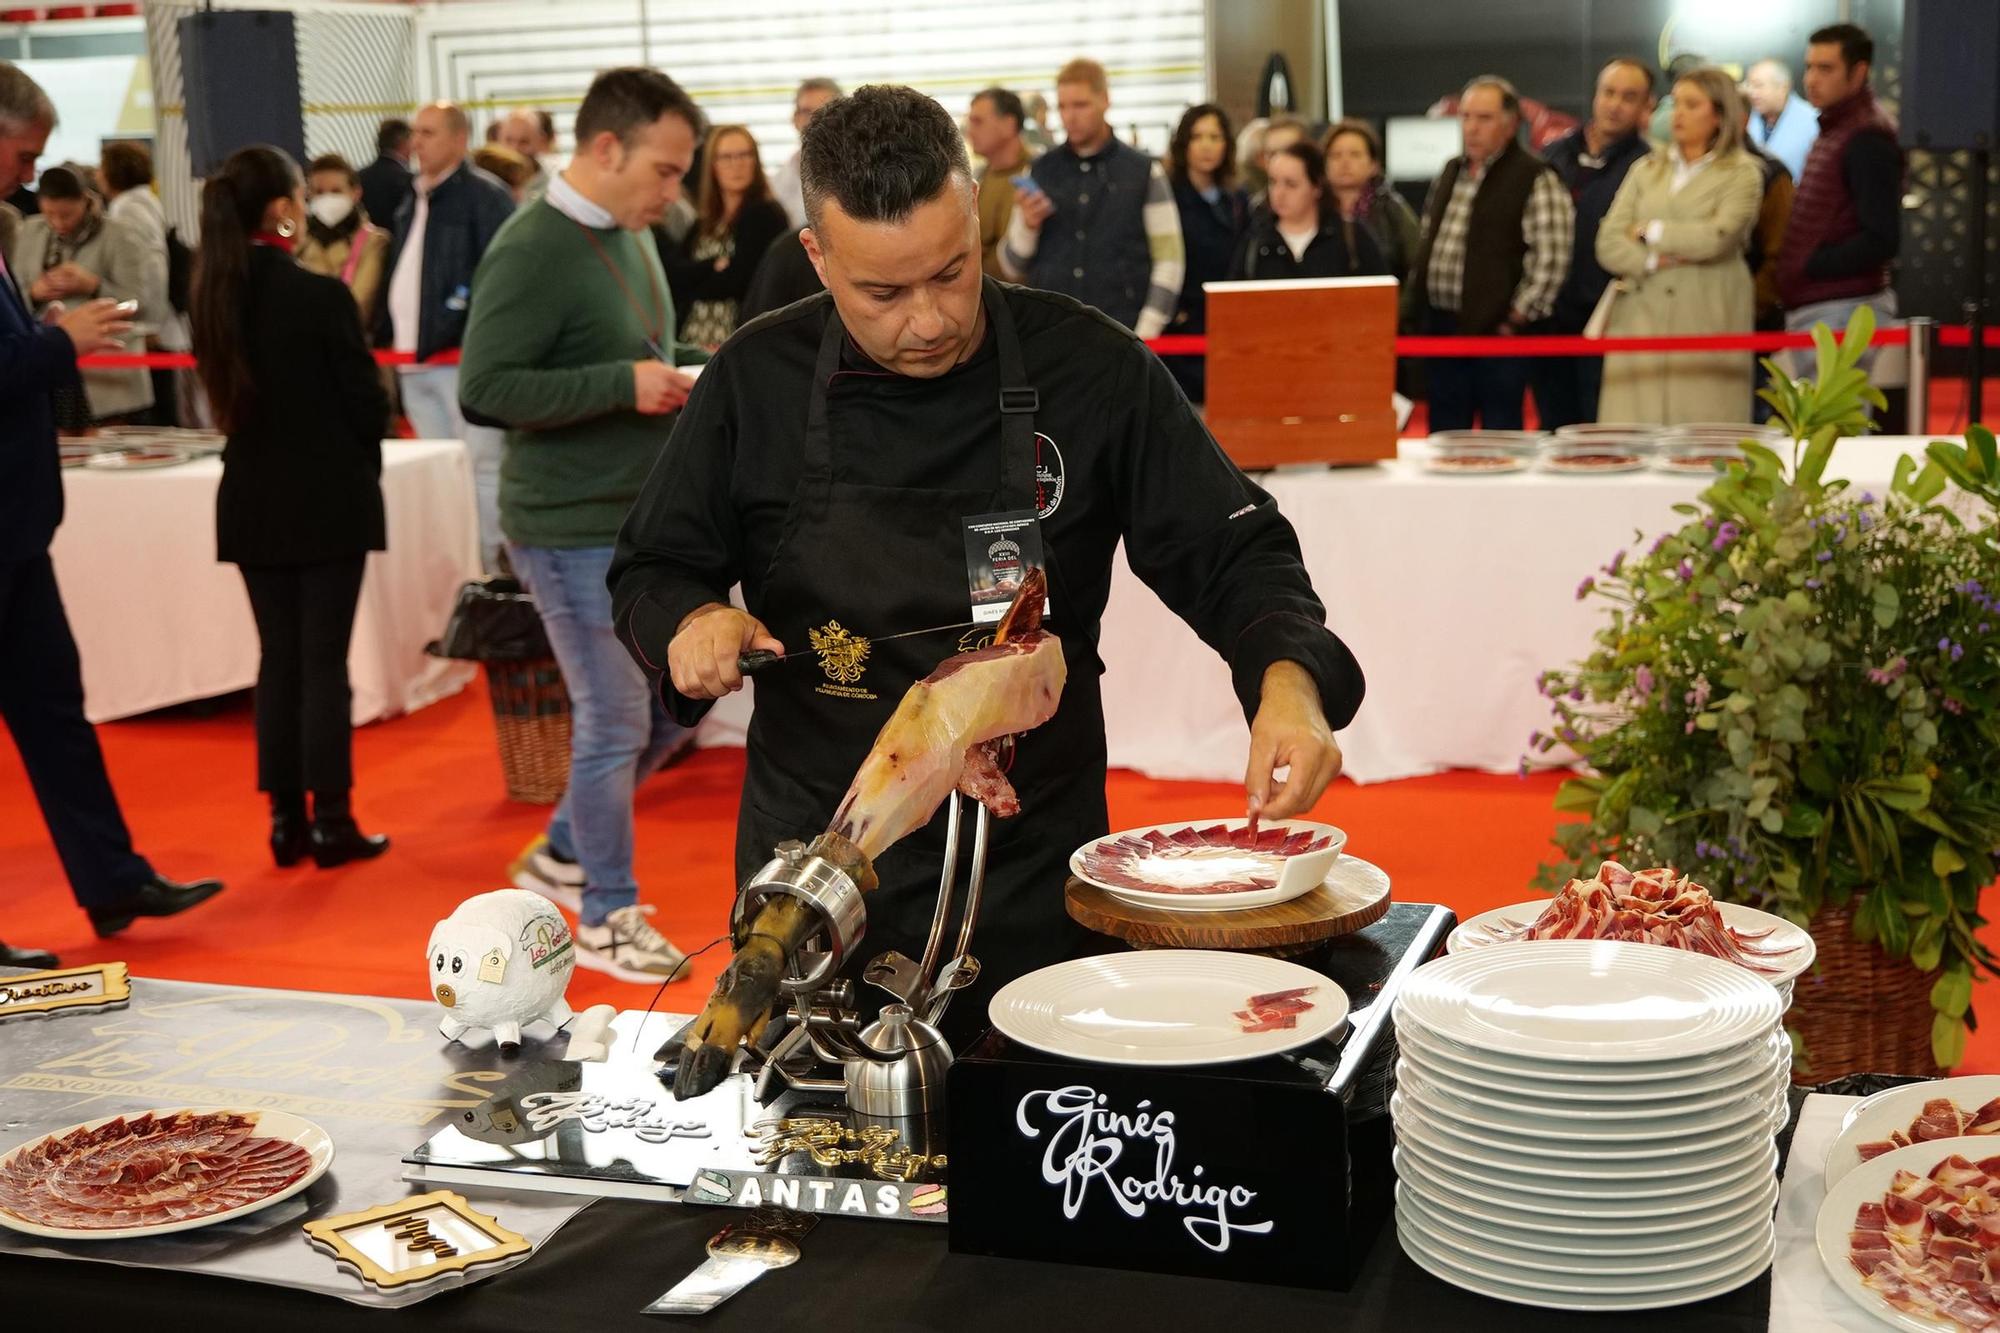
1300,234
737,218
1215,211
288,374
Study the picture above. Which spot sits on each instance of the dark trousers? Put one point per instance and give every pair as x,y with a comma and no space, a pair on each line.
1566,387
305,617
41,698
1463,388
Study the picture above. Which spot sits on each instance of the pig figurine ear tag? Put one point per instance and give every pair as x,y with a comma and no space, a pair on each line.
493,967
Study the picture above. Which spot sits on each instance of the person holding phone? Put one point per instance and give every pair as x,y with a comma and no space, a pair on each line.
41,680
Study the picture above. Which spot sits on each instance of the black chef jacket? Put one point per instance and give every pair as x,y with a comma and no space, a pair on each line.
1119,454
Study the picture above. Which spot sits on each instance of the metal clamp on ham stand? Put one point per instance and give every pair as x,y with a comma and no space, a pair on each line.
894,1066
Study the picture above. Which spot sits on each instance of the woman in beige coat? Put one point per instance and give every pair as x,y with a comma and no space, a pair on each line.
1674,243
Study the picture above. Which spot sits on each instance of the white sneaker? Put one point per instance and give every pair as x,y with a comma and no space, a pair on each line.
627,947
539,870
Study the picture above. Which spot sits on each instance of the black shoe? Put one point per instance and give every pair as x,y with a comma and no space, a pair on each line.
158,896
336,841
289,839
39,959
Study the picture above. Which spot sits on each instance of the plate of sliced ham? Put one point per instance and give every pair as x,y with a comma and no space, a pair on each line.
154,1172
1945,1108
1913,1236
1211,866
1170,1007
1654,906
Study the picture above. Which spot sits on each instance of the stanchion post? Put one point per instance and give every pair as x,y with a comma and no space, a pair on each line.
1975,301
1918,419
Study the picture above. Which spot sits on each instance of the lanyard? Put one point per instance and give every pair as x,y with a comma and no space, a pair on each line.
656,328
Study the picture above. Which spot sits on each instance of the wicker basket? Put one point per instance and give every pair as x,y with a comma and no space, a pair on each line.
531,715
1859,1011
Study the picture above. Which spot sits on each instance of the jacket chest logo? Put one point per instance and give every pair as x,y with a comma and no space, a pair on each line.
843,654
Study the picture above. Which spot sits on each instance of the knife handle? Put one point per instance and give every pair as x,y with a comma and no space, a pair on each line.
752,662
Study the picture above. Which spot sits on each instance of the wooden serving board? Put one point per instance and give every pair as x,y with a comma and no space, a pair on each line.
1355,894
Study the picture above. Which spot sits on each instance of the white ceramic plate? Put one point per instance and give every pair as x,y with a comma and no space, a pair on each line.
1870,1180
1474,464
1161,1007
1538,1265
1589,1242
1612,1154
1438,1149
1556,1084
1569,466
1580,1116
1477,932
1669,1076
1440,1104
1572,1183
1427,1256
270,1124
1297,875
1873,1119
1566,1224
1599,1001
1351,878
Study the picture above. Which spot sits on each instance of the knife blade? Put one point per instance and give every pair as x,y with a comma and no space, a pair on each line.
752,662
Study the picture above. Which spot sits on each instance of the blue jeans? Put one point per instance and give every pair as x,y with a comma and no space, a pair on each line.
619,732
1801,361
430,400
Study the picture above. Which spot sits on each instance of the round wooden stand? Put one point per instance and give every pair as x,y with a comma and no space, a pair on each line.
1355,894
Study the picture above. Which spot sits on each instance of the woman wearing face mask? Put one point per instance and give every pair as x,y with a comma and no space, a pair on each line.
1674,243
1300,235
737,219
1201,165
339,240
73,253
289,377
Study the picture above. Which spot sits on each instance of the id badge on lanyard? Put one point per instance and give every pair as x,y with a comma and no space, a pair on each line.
1000,549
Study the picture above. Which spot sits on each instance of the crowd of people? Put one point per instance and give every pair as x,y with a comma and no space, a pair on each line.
578,295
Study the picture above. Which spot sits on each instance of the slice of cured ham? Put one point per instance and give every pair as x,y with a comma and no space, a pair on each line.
1217,859
1930,1245
1941,1118
1647,907
148,1170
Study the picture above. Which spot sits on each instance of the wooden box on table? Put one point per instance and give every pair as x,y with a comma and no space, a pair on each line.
1302,370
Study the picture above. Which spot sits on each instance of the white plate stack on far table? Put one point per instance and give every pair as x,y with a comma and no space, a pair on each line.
1588,1125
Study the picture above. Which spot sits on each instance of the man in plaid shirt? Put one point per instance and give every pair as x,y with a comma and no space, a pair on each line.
1496,247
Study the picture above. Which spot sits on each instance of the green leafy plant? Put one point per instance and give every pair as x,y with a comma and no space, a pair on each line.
1795,697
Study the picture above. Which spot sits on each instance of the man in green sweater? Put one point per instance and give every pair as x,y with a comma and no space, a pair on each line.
570,347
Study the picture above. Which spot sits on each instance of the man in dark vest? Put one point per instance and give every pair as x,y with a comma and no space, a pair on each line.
1115,238
1591,161
1496,247
1846,217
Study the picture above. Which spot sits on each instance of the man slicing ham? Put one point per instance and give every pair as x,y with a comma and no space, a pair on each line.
842,459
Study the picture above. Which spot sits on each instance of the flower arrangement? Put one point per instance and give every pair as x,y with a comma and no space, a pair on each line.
1795,697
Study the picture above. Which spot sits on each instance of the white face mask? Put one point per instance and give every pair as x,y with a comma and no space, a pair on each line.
331,209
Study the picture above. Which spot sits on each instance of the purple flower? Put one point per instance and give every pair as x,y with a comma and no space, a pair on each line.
1685,573
1725,535
1889,673
1984,627
1971,588
1576,693
1617,564
1865,522
1689,728
1824,556
1709,523
1953,706
1814,584
1868,497
1585,588
1664,538
1524,766
1642,680
1567,734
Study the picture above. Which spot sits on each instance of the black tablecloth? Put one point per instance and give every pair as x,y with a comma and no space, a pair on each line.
616,1256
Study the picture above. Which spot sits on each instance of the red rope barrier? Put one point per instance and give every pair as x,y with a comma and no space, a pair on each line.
185,361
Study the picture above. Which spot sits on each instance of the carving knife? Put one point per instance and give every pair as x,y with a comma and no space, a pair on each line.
752,662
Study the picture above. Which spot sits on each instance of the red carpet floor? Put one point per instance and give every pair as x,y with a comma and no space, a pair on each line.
432,782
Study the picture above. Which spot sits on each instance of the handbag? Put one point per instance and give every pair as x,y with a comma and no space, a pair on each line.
494,620
1600,317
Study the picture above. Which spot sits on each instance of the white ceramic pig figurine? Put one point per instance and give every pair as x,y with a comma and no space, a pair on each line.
498,961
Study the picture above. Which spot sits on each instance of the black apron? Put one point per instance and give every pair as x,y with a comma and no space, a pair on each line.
876,560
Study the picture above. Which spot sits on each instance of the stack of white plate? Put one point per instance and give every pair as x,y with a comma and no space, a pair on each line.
1588,1125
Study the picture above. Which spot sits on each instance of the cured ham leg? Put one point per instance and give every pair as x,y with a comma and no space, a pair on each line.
942,737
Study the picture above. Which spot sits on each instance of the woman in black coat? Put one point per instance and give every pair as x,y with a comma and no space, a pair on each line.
738,218
1201,164
1299,234
289,377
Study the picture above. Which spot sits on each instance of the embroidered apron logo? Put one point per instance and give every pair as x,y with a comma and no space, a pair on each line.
1048,476
841,652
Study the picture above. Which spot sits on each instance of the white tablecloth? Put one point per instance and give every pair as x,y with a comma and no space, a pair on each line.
159,622
1803,1298
1454,592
